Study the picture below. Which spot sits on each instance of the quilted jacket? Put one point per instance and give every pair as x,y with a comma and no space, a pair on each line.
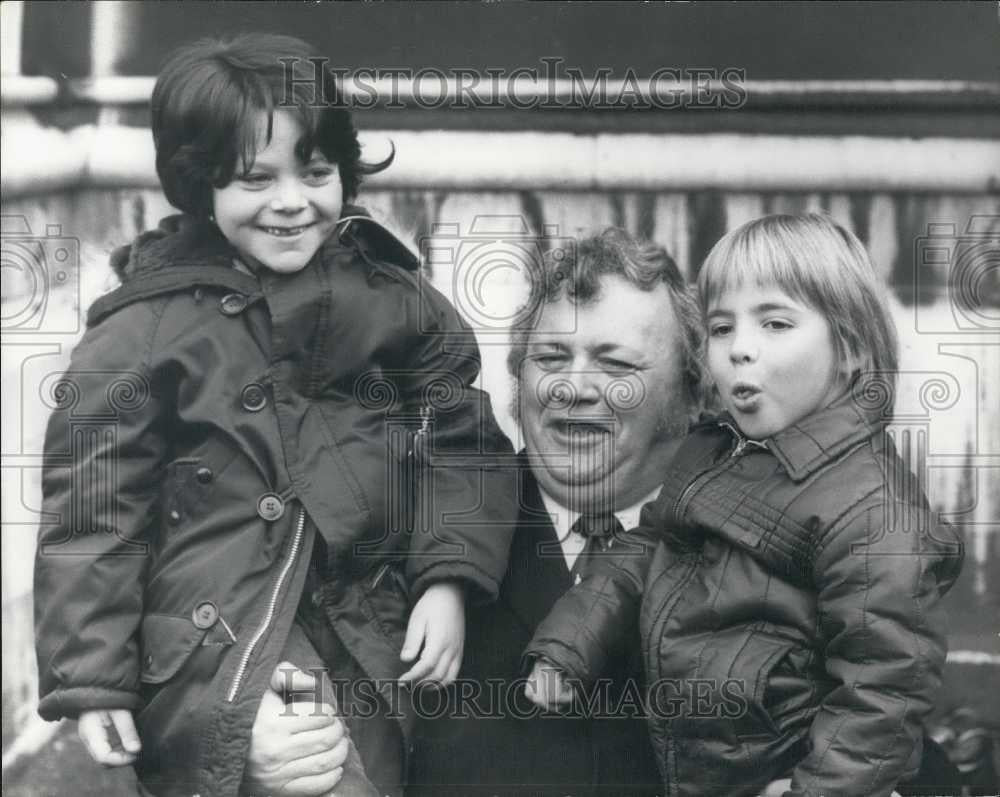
788,596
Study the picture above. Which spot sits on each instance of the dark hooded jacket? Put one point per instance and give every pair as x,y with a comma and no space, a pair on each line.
789,615
211,428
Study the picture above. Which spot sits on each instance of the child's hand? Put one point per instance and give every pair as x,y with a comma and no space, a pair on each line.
98,729
437,624
547,687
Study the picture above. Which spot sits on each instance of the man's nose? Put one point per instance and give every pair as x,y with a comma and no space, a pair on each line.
288,199
588,387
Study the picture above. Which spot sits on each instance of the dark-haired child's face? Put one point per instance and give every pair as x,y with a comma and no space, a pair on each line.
279,211
772,358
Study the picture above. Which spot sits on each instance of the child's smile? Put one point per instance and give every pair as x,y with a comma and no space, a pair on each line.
279,211
772,358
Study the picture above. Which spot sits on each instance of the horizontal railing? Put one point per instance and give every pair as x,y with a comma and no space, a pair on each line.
43,159
673,89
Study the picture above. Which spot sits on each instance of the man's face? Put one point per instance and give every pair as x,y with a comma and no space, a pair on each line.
603,406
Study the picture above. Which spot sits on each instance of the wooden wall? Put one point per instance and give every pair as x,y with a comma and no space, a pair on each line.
950,387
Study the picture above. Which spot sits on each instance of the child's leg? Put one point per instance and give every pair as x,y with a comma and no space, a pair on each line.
379,738
300,652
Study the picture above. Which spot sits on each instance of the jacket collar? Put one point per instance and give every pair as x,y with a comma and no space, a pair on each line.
820,438
357,228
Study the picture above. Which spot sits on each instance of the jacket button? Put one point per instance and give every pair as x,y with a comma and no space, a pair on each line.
270,506
204,475
204,615
233,304
174,517
253,398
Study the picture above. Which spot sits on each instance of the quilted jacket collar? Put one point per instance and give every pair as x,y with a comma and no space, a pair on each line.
821,437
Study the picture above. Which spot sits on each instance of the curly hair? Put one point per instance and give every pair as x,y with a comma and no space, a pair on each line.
577,274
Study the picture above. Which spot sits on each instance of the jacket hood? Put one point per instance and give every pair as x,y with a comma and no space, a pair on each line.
184,240
178,240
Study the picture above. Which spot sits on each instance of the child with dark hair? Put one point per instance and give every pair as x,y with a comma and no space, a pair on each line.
788,596
269,385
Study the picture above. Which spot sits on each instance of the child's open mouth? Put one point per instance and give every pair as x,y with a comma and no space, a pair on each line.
745,396
286,232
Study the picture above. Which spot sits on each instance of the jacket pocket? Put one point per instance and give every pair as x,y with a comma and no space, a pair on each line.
753,668
385,600
190,480
167,642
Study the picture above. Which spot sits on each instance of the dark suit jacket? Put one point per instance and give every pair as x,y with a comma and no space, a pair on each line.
498,748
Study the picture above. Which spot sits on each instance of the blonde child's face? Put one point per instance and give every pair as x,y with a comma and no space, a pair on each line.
280,211
772,358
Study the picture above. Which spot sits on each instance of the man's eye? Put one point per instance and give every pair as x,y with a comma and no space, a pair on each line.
620,366
549,361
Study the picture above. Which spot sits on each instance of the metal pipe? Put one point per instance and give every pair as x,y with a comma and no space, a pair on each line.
443,91
117,156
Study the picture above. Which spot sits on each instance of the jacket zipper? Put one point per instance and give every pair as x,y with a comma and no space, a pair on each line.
272,604
742,443
670,600
422,434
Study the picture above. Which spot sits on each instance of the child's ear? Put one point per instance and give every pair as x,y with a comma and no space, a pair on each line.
852,366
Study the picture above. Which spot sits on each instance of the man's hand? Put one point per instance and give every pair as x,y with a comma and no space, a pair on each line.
437,632
547,687
294,756
95,729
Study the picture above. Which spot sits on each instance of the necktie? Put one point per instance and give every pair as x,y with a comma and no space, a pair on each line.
600,532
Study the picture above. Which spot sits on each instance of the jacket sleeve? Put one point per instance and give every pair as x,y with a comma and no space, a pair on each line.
103,451
466,506
879,581
591,624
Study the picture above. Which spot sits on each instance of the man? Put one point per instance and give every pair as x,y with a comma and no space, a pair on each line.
606,369
607,380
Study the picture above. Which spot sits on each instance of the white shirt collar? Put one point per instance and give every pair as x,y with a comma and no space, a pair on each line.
563,520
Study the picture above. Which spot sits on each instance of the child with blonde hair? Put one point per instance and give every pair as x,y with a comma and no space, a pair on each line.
788,599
